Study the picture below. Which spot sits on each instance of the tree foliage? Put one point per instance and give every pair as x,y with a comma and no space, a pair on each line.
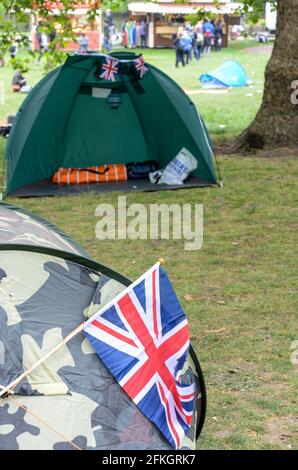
115,5
16,15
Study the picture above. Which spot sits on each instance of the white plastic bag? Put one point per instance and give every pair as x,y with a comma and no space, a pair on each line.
154,176
179,168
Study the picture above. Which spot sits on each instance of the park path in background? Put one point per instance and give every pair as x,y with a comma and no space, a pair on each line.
266,49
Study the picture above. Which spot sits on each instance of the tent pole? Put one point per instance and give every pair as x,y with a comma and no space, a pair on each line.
220,184
42,421
2,179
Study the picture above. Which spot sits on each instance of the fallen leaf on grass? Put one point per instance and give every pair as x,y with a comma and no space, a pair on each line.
218,331
188,297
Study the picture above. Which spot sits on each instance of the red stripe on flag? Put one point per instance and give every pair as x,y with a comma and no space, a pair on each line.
186,397
175,342
113,333
154,303
136,323
168,413
188,420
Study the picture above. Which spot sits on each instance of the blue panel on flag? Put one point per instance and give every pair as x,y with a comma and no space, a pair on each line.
170,309
121,362
112,316
139,290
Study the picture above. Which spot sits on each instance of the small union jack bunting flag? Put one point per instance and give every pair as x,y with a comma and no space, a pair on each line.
110,69
142,337
140,66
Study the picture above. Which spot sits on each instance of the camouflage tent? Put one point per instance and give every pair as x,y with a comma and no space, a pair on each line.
48,284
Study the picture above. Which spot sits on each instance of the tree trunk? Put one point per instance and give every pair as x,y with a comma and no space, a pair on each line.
276,123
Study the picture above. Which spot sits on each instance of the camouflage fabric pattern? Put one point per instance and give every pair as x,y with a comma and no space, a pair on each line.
42,298
19,227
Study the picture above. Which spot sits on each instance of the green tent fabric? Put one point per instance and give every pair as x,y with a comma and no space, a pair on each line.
68,120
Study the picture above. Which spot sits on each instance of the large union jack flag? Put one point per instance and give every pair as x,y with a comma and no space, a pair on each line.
142,337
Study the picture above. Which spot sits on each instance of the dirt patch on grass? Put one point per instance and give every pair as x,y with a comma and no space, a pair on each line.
279,434
275,387
241,366
224,433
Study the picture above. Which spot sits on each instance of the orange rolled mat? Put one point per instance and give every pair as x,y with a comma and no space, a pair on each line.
91,174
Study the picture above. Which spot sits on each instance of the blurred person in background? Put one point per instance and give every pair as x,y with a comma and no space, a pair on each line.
218,33
108,30
187,45
198,42
83,43
178,46
19,82
144,33
208,32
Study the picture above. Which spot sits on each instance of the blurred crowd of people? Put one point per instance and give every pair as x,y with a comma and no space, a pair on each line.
132,33
193,41
189,42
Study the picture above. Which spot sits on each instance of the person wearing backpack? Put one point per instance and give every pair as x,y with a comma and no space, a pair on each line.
208,32
198,42
178,46
187,45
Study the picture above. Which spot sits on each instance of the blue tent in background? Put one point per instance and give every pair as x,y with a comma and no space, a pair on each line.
230,74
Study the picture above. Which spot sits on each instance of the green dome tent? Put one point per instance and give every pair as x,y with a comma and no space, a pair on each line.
73,118
48,285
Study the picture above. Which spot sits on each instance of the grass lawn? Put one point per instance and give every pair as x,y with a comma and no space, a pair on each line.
240,289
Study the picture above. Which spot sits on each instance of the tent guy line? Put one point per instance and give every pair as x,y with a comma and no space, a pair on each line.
41,420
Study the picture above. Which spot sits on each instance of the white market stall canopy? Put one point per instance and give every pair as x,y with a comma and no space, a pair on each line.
183,9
